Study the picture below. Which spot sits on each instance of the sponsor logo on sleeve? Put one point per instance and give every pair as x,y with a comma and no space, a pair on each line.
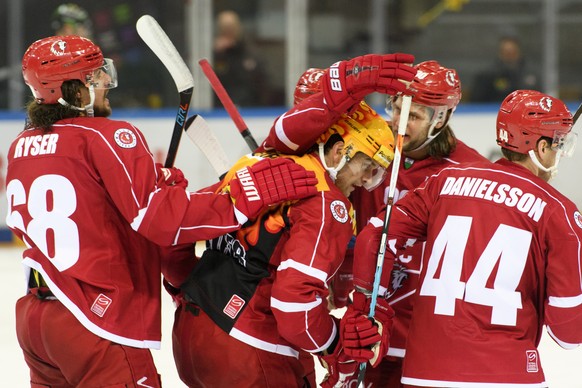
532,361
234,306
101,304
339,211
125,138
578,218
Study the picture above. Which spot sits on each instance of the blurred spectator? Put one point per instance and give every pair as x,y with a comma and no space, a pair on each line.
509,72
237,67
70,19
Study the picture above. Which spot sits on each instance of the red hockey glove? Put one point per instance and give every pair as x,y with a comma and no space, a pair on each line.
365,339
269,182
340,368
346,83
170,176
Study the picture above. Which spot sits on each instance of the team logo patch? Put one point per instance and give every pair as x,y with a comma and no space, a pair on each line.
339,211
59,47
546,103
578,218
532,361
450,78
101,304
125,138
234,306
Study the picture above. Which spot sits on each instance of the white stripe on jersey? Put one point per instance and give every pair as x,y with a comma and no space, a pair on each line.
565,301
267,346
303,268
292,307
562,344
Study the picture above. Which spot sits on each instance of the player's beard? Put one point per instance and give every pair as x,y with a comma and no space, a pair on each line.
102,111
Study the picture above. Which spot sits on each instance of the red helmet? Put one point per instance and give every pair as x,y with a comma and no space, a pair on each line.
309,83
435,85
527,115
50,61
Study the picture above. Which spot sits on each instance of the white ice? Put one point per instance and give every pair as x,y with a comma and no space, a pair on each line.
563,368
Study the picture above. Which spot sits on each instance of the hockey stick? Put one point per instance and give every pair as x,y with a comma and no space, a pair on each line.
200,133
576,115
154,36
404,113
228,104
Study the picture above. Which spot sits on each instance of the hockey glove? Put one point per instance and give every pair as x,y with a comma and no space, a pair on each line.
267,183
170,176
346,83
340,368
366,339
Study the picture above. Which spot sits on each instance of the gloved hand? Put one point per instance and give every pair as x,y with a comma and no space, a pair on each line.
346,83
340,368
269,182
170,176
366,339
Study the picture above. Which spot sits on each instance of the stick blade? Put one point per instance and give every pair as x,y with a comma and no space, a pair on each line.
201,134
157,40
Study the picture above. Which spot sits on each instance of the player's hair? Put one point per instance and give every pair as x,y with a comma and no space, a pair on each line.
444,144
45,115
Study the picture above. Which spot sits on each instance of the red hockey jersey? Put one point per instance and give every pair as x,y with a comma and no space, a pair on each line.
84,199
407,264
266,284
502,258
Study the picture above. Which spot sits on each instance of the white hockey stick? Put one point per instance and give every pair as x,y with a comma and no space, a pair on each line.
200,133
402,123
154,36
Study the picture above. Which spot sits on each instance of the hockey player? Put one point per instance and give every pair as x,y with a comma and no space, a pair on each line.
429,145
257,298
91,205
502,256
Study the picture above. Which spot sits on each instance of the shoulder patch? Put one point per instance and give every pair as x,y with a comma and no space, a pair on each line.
578,218
125,138
339,211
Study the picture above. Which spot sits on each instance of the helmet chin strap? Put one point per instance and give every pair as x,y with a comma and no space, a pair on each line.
88,108
553,170
331,170
430,136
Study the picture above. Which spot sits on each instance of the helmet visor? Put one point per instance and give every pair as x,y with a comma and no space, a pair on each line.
565,142
393,107
371,172
104,77
377,176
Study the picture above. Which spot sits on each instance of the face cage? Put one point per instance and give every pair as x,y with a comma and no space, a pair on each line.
104,77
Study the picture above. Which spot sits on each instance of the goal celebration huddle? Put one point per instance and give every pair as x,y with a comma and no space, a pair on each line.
448,265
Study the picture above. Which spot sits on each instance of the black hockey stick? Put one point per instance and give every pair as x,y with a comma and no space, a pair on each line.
154,36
